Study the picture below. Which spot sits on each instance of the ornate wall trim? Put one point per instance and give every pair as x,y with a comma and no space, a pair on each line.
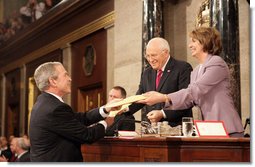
102,22
203,16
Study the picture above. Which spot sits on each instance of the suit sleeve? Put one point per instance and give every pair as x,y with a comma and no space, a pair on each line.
65,124
90,117
214,73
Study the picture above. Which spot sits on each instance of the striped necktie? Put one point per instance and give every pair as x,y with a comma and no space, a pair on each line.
159,74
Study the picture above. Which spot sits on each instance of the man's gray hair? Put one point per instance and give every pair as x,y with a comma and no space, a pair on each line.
43,73
163,44
22,144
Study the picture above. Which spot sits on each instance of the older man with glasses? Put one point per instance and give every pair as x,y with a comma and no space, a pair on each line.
165,75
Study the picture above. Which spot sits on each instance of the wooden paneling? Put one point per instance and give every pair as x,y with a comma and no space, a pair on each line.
89,98
111,152
1,99
89,89
52,56
154,154
169,149
30,69
12,103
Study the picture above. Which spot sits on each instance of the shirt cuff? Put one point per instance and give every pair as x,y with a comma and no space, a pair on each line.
103,123
103,114
163,112
168,104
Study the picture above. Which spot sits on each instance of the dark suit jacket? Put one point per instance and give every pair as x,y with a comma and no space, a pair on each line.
24,158
176,76
126,122
56,132
7,153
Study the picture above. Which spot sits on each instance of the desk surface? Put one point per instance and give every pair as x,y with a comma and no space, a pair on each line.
168,149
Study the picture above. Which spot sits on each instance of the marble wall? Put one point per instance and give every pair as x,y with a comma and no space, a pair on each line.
127,60
245,65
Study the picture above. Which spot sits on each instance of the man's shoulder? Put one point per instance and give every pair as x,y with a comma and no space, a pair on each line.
49,97
181,64
147,69
25,157
49,102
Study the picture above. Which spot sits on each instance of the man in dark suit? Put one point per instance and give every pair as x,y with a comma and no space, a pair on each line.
5,152
165,75
19,147
56,131
121,121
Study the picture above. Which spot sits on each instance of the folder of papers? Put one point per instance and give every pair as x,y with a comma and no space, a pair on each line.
115,112
127,100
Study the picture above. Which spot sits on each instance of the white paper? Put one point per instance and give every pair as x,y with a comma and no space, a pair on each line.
127,100
127,133
211,129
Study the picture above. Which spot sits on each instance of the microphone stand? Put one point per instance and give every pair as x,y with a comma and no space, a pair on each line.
115,126
246,123
121,121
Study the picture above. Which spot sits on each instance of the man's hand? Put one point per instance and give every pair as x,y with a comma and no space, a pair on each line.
153,98
3,159
109,121
155,116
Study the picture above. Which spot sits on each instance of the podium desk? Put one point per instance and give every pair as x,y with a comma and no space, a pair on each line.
168,149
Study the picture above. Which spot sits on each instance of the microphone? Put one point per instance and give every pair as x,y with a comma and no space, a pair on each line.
247,122
121,121
114,128
147,128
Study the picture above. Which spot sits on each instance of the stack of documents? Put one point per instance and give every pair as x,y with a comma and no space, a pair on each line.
124,103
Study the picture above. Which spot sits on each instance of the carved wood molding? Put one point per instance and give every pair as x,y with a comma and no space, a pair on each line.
103,22
203,16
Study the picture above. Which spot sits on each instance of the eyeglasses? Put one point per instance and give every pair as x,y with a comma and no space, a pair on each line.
153,56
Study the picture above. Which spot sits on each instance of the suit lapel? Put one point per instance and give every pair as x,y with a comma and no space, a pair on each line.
153,78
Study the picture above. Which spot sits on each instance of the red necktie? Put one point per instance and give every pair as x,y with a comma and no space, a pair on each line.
159,74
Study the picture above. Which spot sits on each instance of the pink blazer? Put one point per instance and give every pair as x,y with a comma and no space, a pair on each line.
209,90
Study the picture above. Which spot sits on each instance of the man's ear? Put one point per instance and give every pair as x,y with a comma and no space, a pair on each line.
52,82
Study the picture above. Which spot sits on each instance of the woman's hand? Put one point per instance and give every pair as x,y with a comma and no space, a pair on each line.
153,98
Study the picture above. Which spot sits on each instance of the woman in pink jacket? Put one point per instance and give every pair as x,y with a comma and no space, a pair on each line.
209,88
